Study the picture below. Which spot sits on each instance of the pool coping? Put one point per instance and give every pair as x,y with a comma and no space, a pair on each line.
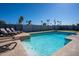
51,31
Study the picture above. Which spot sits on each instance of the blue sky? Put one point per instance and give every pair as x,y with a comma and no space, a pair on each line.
67,13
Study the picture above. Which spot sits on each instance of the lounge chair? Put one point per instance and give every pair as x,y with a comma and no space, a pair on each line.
8,30
1,34
13,30
7,47
5,33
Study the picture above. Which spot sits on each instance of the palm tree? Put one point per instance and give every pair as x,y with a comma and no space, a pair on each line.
26,22
54,23
42,22
59,22
29,22
48,22
44,26
41,28
20,21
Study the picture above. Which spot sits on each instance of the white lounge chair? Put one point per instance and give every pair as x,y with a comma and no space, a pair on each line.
8,29
13,30
4,32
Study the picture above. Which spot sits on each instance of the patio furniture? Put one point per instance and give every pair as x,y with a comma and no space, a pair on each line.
7,47
8,30
13,30
5,33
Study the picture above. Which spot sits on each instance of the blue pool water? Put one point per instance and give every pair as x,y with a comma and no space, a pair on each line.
45,44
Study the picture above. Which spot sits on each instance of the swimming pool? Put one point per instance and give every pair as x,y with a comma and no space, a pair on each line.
45,44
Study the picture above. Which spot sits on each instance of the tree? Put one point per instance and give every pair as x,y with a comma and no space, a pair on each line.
44,24
48,21
77,24
21,18
29,22
26,22
41,22
20,21
54,23
59,22
2,22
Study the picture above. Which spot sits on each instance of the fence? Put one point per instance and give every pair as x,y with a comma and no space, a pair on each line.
32,28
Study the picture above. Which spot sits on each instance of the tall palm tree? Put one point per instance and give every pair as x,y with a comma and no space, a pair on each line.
20,21
54,23
42,22
29,22
26,22
41,28
59,22
21,18
48,20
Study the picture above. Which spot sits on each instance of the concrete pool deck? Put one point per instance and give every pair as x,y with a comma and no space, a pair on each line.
71,49
19,49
